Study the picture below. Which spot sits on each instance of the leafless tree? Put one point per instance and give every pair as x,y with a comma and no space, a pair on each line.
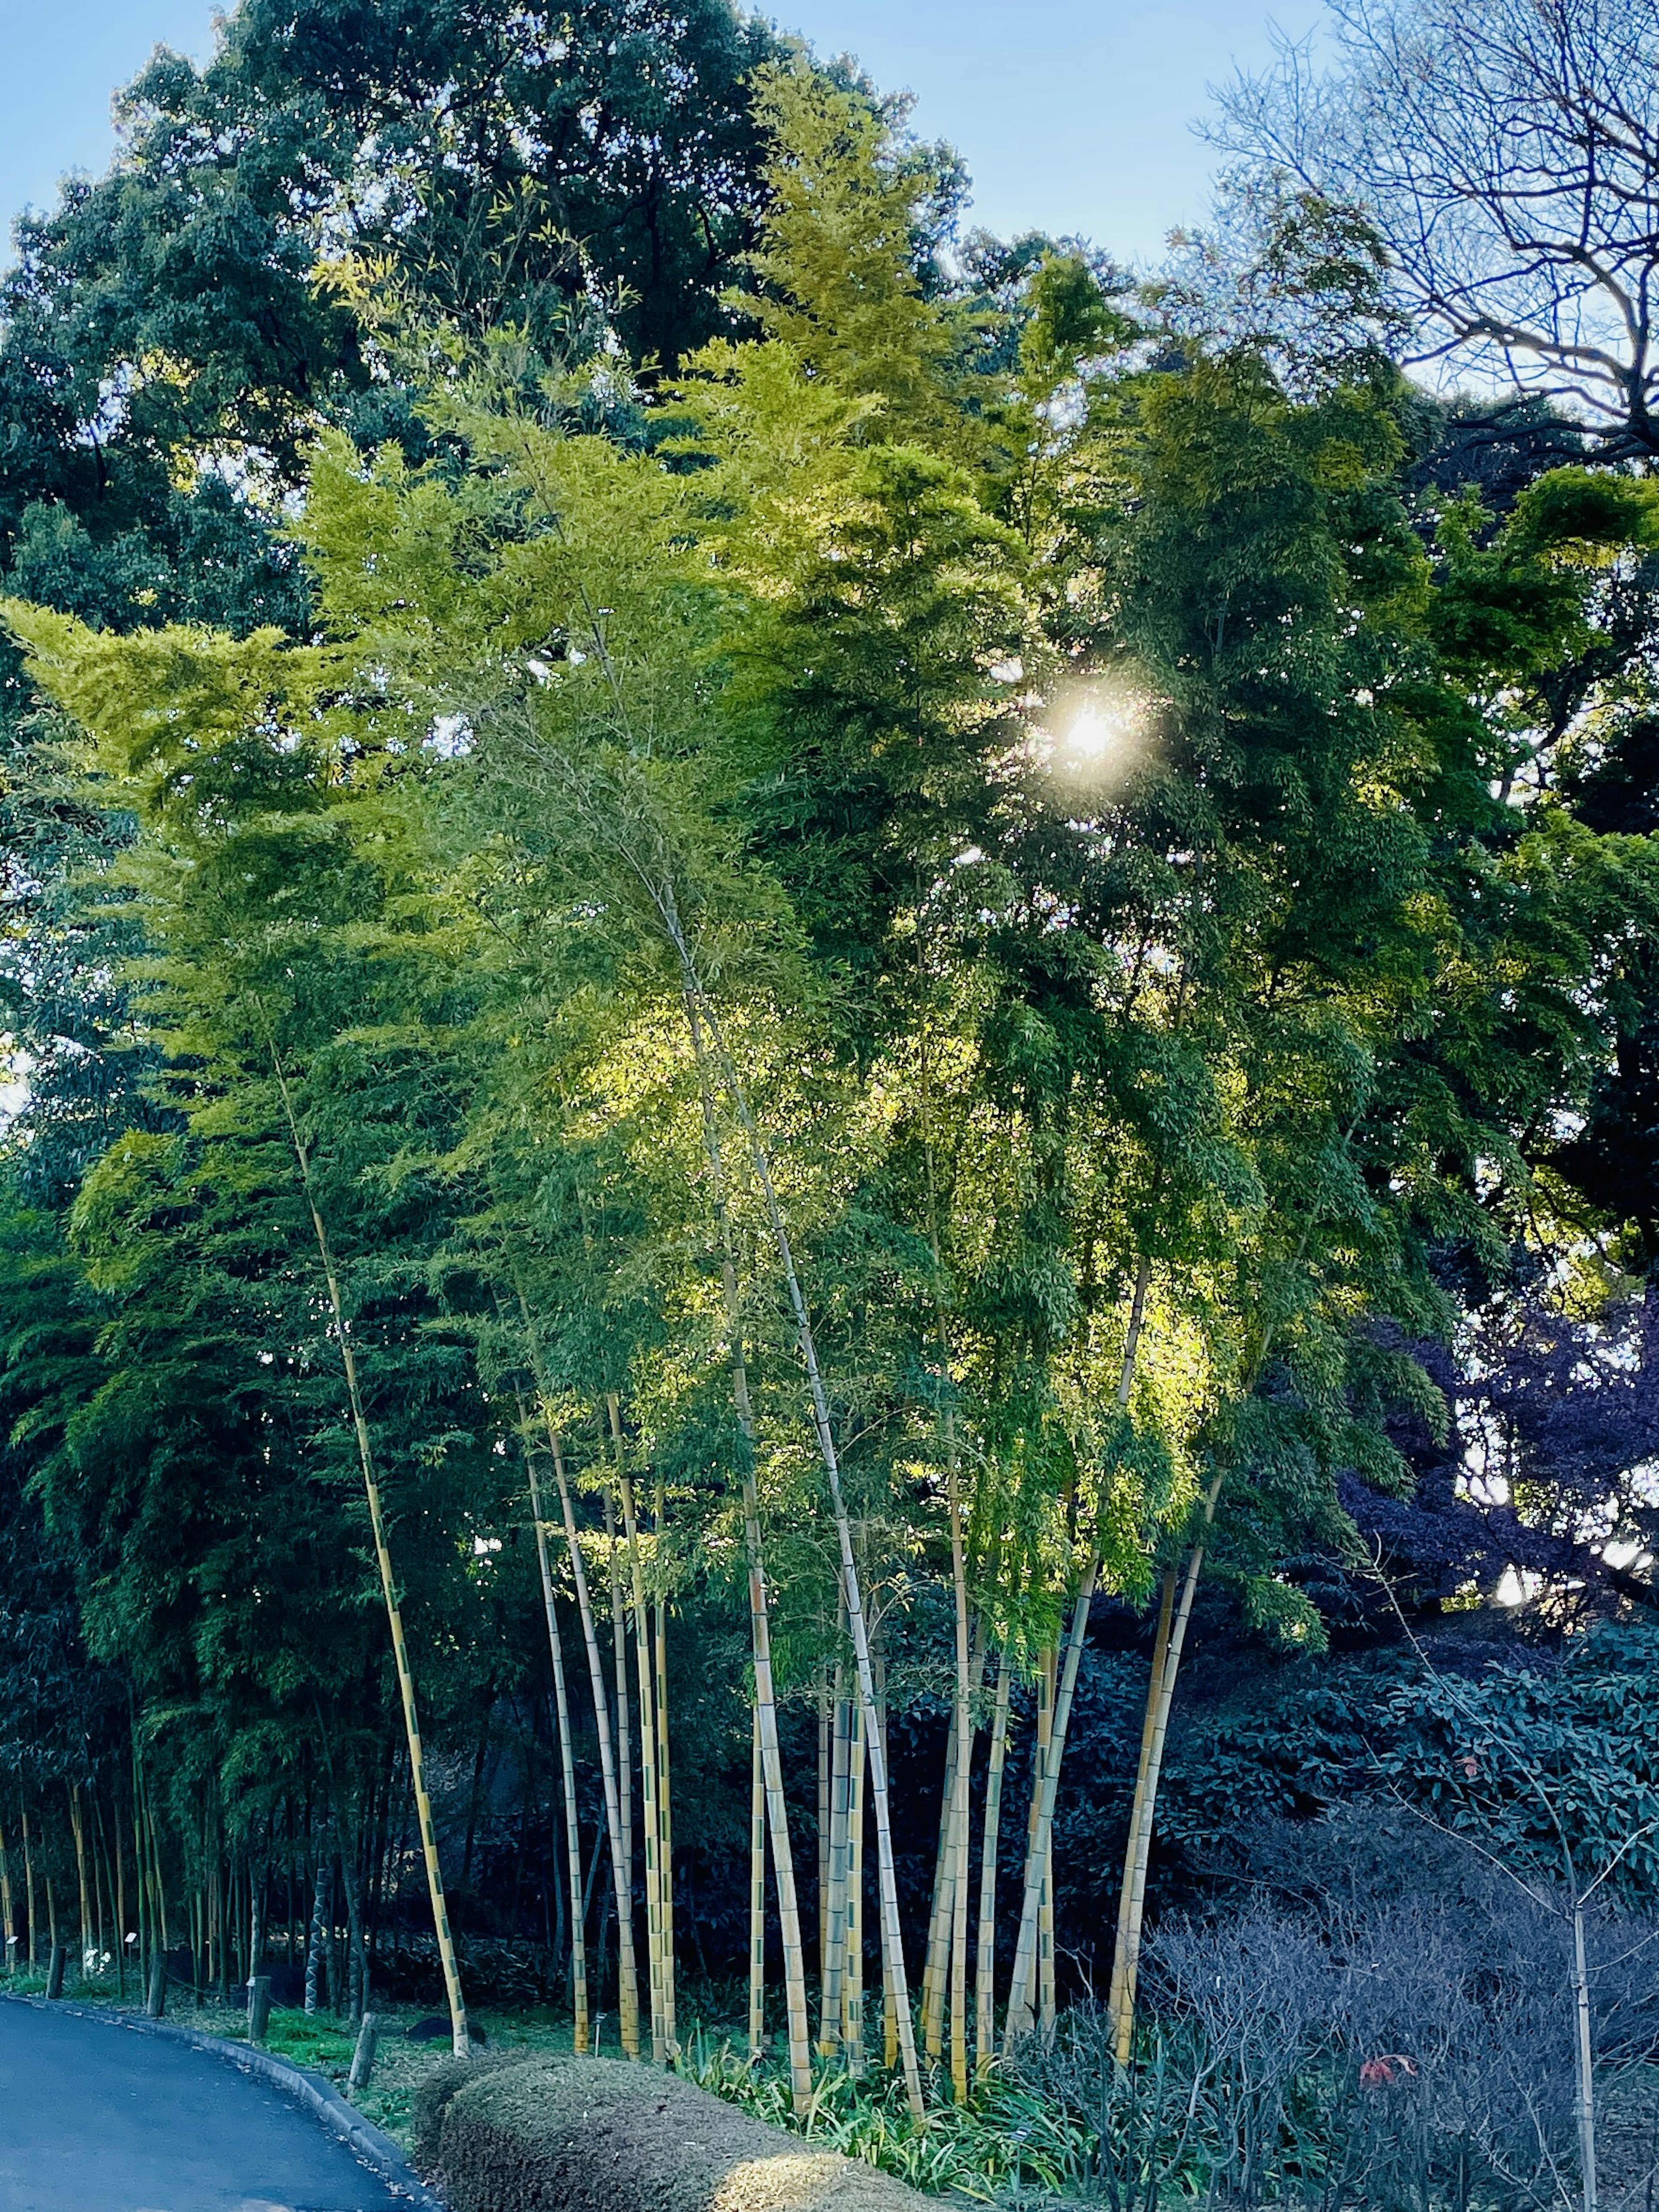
1506,153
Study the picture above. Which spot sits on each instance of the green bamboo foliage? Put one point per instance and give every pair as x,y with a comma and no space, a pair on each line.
884,971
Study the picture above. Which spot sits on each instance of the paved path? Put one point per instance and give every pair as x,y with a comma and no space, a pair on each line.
97,2117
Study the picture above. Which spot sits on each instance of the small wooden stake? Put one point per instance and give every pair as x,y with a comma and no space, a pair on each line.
363,2059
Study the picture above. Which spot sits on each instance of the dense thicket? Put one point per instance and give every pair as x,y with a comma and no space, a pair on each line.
801,1003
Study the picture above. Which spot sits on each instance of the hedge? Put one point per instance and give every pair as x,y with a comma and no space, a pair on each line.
554,2134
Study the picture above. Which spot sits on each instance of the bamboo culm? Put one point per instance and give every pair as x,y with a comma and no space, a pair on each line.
766,1710
1026,1968
628,1988
985,1957
567,1770
446,1953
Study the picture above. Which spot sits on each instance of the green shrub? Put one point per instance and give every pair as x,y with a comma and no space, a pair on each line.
558,2134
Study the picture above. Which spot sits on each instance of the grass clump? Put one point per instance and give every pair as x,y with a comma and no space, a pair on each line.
1004,2141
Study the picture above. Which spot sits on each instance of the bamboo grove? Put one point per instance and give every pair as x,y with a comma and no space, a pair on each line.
794,1016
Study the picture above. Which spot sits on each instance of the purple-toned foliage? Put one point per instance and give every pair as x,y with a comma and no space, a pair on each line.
1550,1455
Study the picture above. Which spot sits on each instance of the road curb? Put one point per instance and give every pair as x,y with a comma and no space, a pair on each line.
369,2144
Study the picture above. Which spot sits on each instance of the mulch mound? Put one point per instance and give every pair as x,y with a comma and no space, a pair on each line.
554,2134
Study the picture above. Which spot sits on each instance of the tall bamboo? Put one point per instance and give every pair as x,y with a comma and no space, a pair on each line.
1120,1977
622,1715
121,1897
954,1810
645,1669
665,1806
892,1935
835,1956
824,1763
1026,1968
851,1983
889,2010
757,1897
7,1915
451,1965
1046,1905
959,1802
567,1765
935,1971
77,1828
28,1887
986,1956
627,1987
766,1709
646,855
1161,1699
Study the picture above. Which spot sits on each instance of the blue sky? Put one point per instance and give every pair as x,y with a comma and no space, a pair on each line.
1073,115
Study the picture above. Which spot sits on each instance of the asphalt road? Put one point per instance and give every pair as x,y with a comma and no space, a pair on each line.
96,2118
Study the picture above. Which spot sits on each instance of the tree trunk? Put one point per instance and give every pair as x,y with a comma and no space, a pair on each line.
388,1586
314,1932
1584,2066
985,1958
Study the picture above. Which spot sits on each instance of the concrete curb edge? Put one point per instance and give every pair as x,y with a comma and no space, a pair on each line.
369,2144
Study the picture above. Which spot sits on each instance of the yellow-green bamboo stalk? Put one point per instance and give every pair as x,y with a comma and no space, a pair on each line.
447,1955
77,1828
1148,1731
852,1984
1125,1965
1025,1981
823,1432
985,1959
8,1913
28,1888
665,1819
824,1799
835,1961
566,1769
1046,1907
627,1987
766,1710
757,1897
935,1972
645,1671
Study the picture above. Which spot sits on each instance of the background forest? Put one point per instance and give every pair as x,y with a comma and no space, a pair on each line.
835,1136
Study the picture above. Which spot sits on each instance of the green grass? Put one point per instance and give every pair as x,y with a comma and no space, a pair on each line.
1002,2142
